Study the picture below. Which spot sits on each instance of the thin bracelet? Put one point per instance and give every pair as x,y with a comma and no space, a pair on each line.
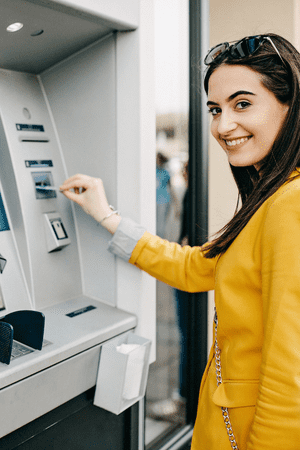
113,211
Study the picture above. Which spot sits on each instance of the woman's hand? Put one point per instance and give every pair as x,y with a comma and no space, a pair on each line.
89,193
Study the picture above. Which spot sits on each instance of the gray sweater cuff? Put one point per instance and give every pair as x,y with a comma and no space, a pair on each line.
125,238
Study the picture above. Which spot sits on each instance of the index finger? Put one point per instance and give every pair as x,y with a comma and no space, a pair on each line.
76,181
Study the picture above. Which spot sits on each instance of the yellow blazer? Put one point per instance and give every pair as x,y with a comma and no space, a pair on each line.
257,297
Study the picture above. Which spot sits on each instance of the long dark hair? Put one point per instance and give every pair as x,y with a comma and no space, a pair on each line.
254,188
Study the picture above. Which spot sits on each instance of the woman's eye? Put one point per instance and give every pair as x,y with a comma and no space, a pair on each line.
242,105
214,111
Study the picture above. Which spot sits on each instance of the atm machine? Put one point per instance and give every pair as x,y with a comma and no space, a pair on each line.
76,323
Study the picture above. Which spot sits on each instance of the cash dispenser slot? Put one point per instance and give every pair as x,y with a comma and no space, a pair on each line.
26,327
33,139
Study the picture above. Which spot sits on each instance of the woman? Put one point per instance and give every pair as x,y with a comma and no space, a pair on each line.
163,197
253,371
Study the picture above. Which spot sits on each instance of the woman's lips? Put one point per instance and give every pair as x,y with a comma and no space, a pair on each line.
237,141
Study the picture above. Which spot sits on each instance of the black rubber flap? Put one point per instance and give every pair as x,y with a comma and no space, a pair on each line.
28,327
6,342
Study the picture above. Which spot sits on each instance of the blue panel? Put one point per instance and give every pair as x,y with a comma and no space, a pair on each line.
3,219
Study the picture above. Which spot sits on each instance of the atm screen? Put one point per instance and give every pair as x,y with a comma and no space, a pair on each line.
3,220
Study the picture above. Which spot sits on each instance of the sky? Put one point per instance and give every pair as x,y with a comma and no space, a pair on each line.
171,56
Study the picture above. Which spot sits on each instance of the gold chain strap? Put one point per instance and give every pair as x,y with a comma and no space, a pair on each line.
225,412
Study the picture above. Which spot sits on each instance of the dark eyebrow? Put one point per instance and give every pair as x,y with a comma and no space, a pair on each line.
231,97
239,93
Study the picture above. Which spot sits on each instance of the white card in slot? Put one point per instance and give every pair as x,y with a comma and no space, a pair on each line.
47,188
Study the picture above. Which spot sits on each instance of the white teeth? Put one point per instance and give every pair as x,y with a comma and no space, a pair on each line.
236,142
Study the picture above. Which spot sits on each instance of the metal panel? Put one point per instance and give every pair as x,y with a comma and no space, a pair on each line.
117,13
86,126
63,34
69,336
36,395
52,277
198,191
136,161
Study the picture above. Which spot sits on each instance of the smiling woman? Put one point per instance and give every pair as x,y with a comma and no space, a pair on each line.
250,392
247,117
269,118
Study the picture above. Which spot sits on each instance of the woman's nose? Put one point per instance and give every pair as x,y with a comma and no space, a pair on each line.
226,124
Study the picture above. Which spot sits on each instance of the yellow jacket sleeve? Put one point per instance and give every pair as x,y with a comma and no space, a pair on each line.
276,424
184,268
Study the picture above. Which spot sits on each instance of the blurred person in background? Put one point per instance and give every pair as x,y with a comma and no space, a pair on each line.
163,195
174,408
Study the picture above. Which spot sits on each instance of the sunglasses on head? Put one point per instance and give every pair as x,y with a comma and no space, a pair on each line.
240,49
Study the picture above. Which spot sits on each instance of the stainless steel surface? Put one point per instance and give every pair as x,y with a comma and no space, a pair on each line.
63,34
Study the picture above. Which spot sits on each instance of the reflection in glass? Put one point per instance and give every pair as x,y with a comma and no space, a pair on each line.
165,397
166,392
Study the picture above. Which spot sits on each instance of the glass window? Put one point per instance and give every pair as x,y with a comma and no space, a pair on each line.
166,391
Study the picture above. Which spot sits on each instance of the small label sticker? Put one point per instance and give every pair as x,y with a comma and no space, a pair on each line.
81,311
29,127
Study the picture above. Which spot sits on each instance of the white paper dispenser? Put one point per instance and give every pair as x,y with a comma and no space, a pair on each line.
123,372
